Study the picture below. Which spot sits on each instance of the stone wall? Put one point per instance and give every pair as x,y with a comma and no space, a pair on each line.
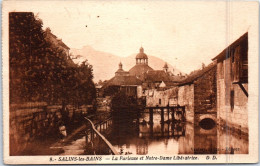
237,144
186,98
205,90
161,97
30,121
232,102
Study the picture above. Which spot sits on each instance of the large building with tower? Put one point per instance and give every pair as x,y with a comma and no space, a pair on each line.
141,67
141,74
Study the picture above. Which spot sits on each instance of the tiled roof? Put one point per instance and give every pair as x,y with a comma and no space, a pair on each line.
198,73
160,75
157,76
120,70
123,80
141,54
139,70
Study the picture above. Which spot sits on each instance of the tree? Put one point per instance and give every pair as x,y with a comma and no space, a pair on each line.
40,70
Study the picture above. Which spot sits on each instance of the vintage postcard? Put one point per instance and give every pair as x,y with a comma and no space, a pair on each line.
130,82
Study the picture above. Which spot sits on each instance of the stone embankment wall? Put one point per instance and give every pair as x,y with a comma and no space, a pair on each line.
231,102
186,98
37,120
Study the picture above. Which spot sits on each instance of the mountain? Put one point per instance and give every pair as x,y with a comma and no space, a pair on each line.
105,64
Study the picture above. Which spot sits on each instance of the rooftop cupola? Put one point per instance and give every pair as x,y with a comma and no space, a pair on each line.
165,67
120,65
141,50
120,71
141,57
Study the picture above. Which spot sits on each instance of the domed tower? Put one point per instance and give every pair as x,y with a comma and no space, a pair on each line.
141,57
120,71
141,67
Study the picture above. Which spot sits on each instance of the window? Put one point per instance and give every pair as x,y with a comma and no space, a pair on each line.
232,95
160,101
239,61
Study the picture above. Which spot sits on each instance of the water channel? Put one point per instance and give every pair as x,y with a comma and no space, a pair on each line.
130,138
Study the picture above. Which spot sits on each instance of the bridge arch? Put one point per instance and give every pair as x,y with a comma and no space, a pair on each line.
206,121
210,116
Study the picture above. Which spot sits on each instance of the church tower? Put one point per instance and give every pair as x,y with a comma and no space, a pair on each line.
120,71
120,66
165,67
141,67
141,57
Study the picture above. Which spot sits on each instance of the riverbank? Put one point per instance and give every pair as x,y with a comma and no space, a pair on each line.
52,144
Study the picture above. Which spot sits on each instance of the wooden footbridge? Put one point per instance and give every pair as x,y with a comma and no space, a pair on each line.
171,111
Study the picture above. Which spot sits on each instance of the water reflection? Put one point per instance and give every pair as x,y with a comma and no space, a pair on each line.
172,138
130,136
205,141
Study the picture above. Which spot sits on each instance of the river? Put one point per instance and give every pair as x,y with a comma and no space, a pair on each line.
130,138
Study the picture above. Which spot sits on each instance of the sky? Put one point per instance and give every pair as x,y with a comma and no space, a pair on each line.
183,33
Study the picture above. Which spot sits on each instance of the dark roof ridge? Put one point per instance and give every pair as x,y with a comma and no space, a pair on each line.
222,54
197,74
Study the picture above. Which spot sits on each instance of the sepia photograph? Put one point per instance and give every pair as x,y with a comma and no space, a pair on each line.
111,82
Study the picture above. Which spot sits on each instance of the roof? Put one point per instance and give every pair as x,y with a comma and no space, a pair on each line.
141,54
140,70
122,72
123,80
157,76
161,75
198,73
225,53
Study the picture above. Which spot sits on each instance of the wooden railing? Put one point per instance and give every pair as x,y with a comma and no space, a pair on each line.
94,132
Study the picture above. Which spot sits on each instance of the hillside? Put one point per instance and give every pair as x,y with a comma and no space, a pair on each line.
105,64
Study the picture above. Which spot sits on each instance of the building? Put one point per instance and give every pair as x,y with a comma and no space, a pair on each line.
123,82
144,78
162,97
120,71
141,66
160,79
232,85
152,78
198,94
